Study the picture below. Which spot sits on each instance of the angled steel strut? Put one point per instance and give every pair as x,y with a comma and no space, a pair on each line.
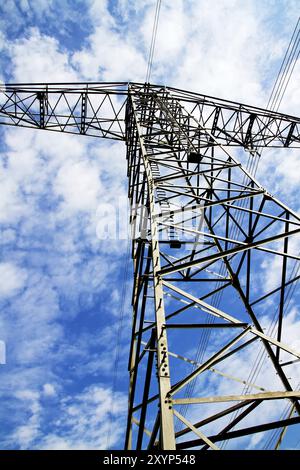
206,235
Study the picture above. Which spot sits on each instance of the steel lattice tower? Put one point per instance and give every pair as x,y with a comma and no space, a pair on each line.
203,227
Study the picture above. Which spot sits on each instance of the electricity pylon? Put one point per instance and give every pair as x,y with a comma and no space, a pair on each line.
206,235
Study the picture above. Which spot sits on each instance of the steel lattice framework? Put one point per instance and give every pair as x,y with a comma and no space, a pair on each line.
203,229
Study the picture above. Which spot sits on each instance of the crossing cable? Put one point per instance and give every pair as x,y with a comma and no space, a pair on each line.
277,435
118,344
276,96
274,102
153,41
286,69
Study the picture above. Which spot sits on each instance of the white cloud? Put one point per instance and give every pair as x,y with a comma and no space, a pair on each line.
43,60
111,56
79,184
12,279
11,204
272,272
82,421
26,433
49,390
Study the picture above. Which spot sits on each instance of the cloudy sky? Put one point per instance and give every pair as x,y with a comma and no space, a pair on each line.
60,291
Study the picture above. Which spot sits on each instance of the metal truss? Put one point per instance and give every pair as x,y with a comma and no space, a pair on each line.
97,109
205,235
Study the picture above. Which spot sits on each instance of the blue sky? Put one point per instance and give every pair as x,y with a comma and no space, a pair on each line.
60,289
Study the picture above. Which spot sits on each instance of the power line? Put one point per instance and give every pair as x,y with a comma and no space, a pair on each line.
153,41
284,69
118,342
276,96
274,102
277,435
